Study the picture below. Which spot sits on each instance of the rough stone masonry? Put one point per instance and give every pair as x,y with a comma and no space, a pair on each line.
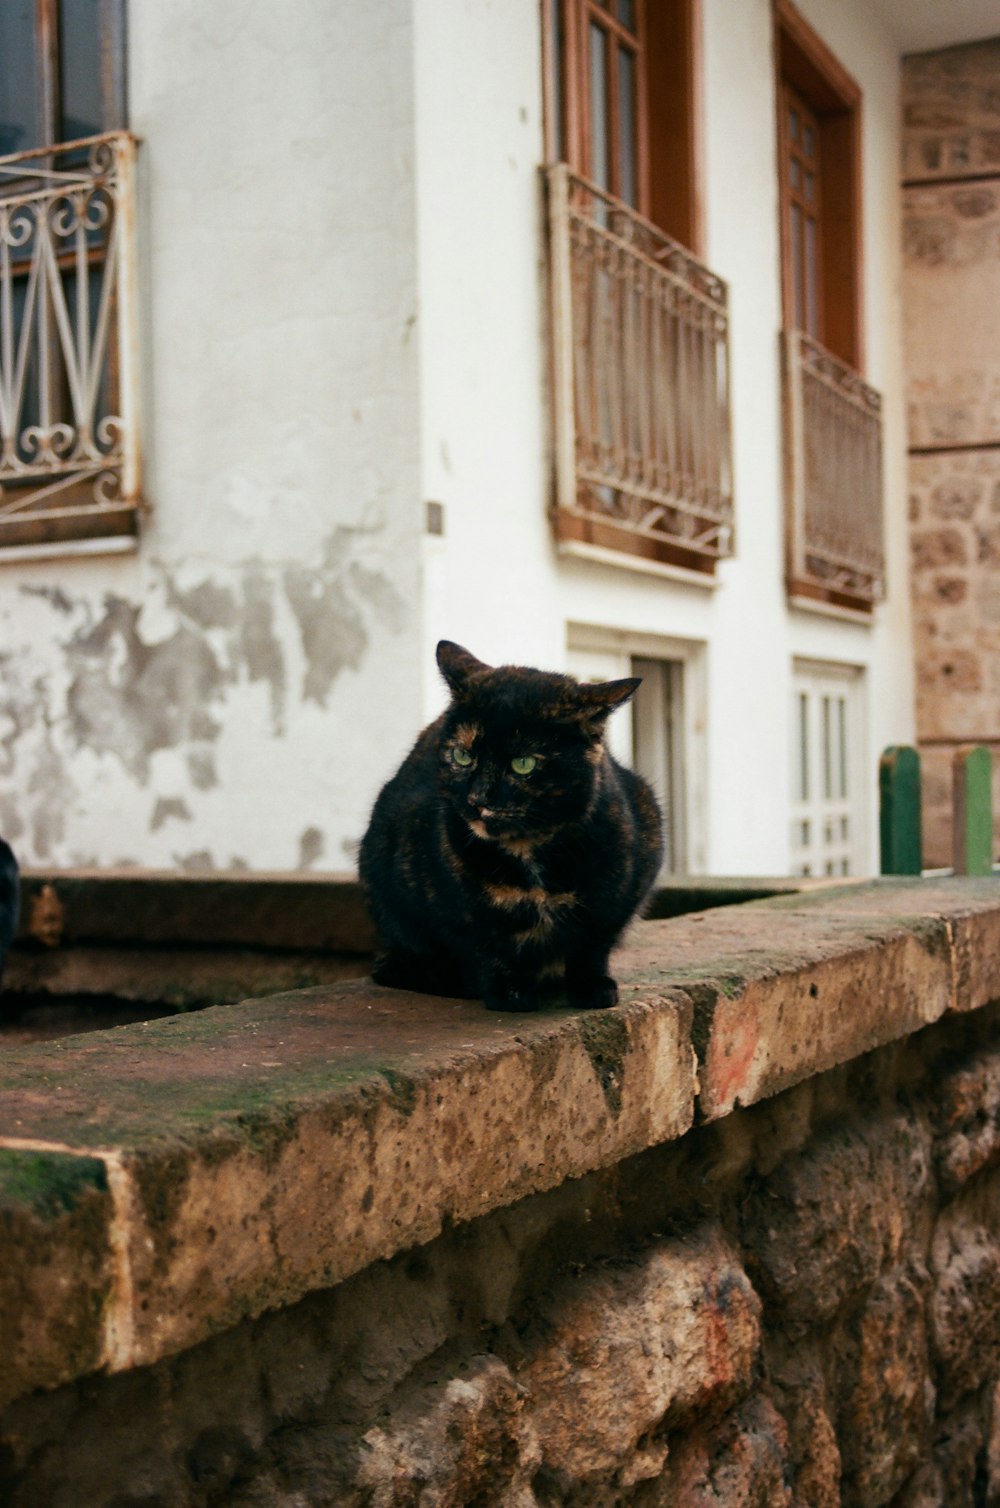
793,1302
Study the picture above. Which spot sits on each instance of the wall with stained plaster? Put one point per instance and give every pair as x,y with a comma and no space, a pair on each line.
228,696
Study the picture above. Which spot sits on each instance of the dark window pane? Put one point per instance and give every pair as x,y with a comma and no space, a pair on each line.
793,125
559,75
19,121
80,68
798,293
627,187
794,172
812,321
600,144
626,13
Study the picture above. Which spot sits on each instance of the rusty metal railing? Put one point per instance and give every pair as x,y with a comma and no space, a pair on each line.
69,437
833,444
640,367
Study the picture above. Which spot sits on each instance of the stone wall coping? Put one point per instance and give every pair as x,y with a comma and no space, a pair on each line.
162,1181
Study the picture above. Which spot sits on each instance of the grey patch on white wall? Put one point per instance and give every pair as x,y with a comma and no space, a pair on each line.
379,591
201,768
209,604
168,807
130,698
331,626
312,846
51,594
199,862
50,792
259,645
11,820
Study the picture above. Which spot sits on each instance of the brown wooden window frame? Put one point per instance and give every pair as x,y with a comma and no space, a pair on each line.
832,418
808,71
666,41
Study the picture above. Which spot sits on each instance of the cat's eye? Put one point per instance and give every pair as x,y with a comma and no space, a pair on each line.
462,758
523,764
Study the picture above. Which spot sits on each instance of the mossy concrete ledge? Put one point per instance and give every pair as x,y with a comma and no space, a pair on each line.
160,1182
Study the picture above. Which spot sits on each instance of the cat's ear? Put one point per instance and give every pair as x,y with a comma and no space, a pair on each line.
457,666
598,699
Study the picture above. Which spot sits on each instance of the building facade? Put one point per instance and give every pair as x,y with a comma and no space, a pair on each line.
569,332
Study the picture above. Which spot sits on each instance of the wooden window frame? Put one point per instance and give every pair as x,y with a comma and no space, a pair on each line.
805,62
669,147
49,120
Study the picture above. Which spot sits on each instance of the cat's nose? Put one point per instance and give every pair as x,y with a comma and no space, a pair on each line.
479,808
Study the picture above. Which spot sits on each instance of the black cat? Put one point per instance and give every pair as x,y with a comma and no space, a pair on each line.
510,850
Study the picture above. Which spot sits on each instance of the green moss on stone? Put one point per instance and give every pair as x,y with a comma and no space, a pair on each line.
50,1183
604,1036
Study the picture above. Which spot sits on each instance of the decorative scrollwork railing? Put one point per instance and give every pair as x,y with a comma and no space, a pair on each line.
833,423
69,443
641,384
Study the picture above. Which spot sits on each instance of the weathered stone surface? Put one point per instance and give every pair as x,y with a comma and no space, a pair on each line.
266,1150
272,1148
739,1464
992,1453
886,1400
967,1117
957,917
57,1213
454,1443
965,1307
793,982
828,1221
626,1354
801,1395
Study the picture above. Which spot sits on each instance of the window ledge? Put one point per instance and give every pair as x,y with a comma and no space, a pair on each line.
826,609
160,1182
645,565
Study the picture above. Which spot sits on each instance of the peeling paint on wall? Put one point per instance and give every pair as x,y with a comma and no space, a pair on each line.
312,846
167,807
149,686
129,698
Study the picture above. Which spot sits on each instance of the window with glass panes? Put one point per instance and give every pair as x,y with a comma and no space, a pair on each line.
827,813
621,87
819,145
64,71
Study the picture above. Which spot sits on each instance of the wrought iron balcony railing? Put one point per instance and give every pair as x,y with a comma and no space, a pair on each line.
833,446
69,439
640,368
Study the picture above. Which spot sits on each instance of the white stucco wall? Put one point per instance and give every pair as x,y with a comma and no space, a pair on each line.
200,703
494,580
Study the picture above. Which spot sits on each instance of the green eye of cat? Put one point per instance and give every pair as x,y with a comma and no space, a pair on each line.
523,764
462,758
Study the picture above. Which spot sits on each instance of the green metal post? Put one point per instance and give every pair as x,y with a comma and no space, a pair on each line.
899,810
972,822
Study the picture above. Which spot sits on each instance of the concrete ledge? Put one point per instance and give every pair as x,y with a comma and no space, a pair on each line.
218,1164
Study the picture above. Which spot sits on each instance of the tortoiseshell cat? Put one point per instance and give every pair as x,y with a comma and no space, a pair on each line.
510,850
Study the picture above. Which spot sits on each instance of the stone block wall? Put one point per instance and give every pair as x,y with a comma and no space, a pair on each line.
795,1306
951,292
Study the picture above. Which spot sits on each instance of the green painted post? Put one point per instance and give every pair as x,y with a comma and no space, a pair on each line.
972,806
899,810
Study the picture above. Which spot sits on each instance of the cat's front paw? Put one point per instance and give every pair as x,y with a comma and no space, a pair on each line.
593,994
